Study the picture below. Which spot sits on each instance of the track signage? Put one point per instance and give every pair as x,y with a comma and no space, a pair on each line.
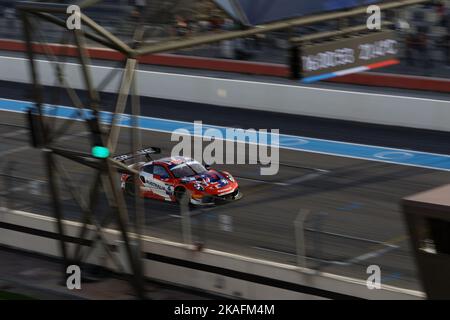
353,54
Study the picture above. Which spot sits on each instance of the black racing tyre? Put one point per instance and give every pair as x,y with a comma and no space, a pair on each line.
237,195
130,188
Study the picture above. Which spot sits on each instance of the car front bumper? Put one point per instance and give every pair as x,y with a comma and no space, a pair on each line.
208,199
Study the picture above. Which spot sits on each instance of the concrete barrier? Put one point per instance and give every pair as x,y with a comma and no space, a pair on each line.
209,270
247,67
292,99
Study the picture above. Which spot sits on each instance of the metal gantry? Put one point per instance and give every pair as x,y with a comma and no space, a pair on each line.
46,133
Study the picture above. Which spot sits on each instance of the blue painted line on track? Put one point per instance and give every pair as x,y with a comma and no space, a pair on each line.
290,142
350,206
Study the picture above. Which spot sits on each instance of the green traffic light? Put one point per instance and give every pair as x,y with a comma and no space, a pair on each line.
100,152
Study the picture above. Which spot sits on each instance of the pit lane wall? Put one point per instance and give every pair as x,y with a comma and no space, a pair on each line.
212,271
292,99
246,67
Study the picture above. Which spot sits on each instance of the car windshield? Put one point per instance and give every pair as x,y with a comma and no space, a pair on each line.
188,169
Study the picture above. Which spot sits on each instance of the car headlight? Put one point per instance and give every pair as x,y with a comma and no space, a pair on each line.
229,177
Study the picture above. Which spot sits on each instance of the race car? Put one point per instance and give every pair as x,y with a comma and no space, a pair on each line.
169,179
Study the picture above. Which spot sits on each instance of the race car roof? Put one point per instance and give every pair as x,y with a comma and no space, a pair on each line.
173,161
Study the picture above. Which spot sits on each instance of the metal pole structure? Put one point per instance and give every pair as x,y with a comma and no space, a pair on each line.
332,34
136,144
299,224
37,90
122,220
318,237
177,44
106,167
7,183
270,27
124,92
54,190
186,218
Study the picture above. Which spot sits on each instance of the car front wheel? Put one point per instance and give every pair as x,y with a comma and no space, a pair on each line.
179,194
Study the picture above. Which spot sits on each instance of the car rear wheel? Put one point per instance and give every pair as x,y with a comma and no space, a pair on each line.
130,188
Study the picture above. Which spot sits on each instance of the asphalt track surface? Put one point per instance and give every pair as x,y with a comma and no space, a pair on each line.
354,221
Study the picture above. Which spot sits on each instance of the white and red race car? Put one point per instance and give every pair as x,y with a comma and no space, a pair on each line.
169,179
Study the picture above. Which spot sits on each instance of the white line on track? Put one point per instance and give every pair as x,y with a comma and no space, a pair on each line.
293,181
305,178
340,235
13,133
294,255
371,254
11,151
366,256
263,181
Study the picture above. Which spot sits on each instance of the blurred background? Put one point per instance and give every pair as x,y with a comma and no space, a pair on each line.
423,29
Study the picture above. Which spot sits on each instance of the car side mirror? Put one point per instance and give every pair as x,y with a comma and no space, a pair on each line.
207,167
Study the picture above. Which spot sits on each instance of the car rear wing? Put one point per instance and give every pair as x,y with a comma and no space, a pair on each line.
143,152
